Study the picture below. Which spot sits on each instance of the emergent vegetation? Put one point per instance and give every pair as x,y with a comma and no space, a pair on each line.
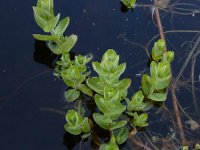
115,112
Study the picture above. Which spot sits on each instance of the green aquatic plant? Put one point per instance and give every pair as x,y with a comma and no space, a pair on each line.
129,3
73,72
115,112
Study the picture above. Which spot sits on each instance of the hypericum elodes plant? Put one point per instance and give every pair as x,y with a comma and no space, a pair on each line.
116,112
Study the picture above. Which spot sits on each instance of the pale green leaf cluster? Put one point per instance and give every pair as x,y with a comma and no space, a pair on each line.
154,86
73,72
76,124
129,3
49,23
110,90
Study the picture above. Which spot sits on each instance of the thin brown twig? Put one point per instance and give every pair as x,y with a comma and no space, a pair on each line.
177,114
158,21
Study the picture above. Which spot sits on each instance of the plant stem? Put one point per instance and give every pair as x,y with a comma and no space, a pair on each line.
79,105
158,21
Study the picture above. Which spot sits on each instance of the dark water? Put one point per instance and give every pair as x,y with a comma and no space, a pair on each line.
31,98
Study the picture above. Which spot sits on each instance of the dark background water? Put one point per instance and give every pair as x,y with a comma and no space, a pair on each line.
28,89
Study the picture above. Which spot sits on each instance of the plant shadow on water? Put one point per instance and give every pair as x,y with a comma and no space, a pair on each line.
43,55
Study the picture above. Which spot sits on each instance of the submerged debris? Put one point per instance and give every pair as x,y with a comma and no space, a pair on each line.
193,124
163,3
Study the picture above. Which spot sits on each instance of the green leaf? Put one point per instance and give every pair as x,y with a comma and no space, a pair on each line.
168,56
97,68
129,3
158,50
101,104
73,118
51,23
111,94
110,109
103,121
110,55
46,4
62,26
53,46
140,120
109,146
197,146
164,75
136,102
158,97
148,84
85,125
85,89
138,96
74,122
73,77
68,43
119,124
41,17
154,69
45,37
120,69
123,85
164,69
116,111
72,95
96,85
122,135
75,130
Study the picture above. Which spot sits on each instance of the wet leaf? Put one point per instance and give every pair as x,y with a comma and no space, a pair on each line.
158,50
148,84
96,85
168,56
68,43
122,135
101,104
123,85
75,130
41,17
140,120
136,102
62,26
119,124
109,146
46,5
129,3
103,121
74,122
158,97
45,37
51,23
85,125
154,70
72,95
85,89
